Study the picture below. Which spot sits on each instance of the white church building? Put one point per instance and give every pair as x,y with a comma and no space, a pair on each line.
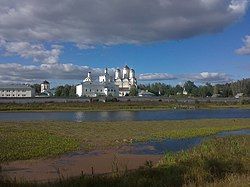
120,85
90,88
125,80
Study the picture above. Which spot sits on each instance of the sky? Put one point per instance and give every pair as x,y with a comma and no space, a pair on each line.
168,41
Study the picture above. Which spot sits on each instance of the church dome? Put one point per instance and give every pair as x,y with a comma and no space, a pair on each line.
132,73
125,72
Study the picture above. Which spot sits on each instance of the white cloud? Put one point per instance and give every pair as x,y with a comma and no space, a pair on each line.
35,51
211,77
18,73
203,77
25,25
244,50
109,22
15,72
156,76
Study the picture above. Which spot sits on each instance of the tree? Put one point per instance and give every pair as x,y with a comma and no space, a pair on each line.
206,90
191,88
178,89
65,91
72,91
133,91
59,90
37,88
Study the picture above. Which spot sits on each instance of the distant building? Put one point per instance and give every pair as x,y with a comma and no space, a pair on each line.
104,87
45,89
184,92
16,90
45,86
216,95
239,95
146,93
125,80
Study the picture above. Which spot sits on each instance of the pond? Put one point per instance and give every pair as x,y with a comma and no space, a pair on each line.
156,115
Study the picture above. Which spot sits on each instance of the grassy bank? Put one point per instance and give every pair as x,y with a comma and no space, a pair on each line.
24,140
114,106
218,162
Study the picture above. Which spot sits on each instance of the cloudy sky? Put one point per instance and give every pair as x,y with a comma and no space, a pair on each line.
163,40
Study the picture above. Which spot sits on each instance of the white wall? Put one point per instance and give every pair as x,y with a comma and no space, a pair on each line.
79,90
17,93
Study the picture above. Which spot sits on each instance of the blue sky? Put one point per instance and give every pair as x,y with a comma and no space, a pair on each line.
170,53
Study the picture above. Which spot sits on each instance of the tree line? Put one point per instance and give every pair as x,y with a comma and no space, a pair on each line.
207,90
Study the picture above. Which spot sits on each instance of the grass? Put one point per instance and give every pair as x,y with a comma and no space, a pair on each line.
25,140
218,162
113,106
22,144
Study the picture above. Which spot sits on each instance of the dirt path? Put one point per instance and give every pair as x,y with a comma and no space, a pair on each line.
73,165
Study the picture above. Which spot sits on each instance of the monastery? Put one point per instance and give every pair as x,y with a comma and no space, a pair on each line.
120,85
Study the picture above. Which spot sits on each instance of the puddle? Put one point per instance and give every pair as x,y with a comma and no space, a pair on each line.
173,145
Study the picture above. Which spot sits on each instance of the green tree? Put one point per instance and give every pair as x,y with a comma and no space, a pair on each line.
191,88
59,91
37,88
133,91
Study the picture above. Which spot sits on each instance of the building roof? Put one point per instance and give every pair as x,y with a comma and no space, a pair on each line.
126,67
45,82
14,86
146,92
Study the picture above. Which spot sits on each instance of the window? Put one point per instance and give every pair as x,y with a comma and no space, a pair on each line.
86,90
97,90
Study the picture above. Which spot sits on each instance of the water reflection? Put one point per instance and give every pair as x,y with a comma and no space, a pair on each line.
79,116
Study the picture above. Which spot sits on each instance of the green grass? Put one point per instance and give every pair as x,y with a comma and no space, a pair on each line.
218,162
25,140
113,106
22,144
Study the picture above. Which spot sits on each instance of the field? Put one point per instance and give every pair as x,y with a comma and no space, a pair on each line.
218,162
115,106
25,140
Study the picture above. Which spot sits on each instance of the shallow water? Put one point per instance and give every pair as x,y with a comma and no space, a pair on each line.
174,145
156,115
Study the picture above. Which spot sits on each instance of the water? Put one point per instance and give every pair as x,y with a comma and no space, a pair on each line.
173,145
156,115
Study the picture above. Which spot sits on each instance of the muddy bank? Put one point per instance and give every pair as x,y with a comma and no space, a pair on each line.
74,164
